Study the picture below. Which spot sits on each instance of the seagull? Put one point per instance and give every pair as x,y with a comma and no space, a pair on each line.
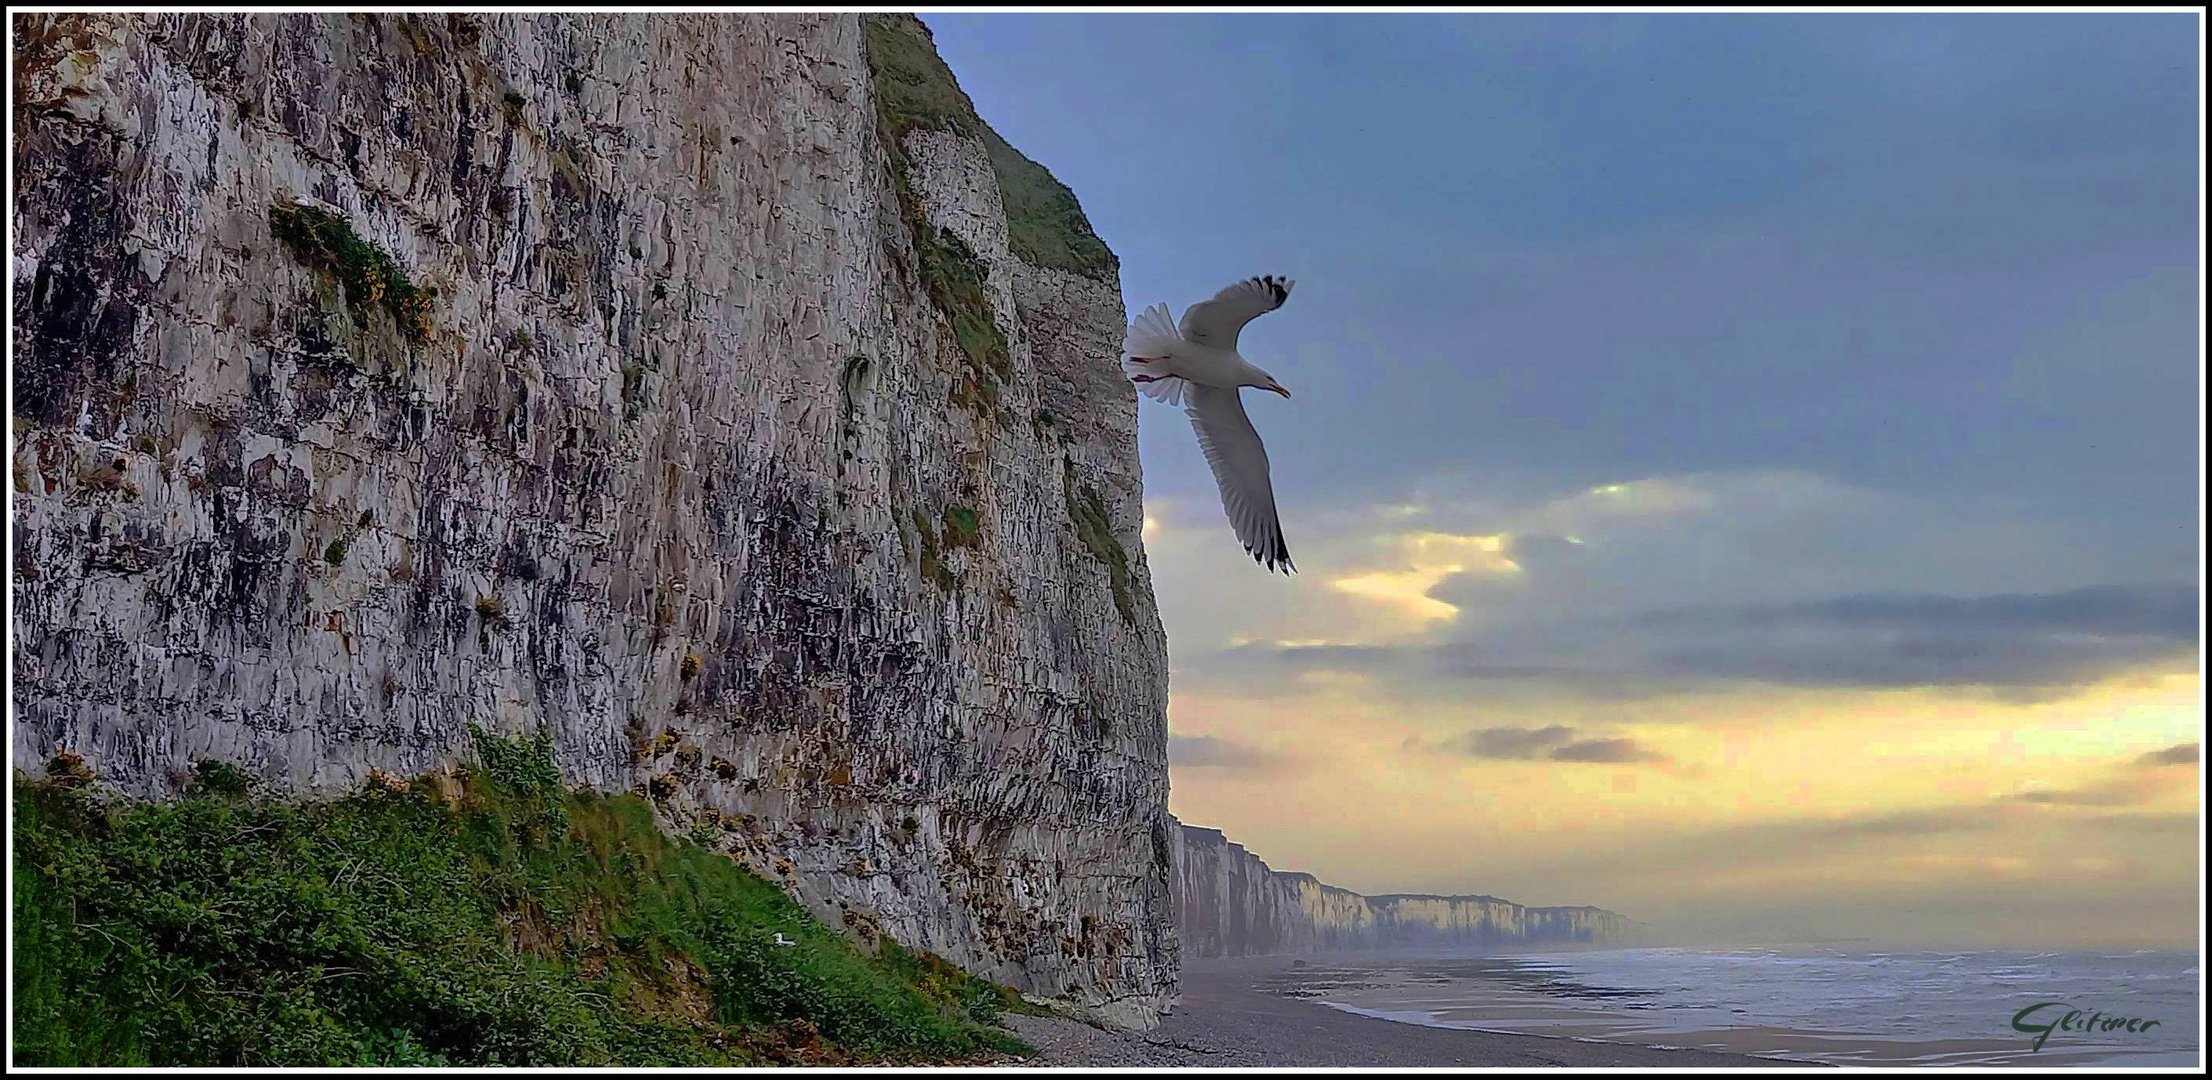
783,942
1197,367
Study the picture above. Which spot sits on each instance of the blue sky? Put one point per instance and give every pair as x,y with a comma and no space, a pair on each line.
1707,389
1952,254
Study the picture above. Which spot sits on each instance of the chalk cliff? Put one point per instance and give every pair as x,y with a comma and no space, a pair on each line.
1229,903
715,392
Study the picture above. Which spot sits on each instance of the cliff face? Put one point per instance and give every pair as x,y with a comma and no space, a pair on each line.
1229,903
713,392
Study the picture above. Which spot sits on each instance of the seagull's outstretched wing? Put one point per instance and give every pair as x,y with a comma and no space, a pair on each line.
1217,321
1239,462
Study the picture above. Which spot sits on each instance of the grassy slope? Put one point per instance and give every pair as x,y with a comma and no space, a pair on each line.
495,920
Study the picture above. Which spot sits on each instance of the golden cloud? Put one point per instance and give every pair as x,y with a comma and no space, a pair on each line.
1422,559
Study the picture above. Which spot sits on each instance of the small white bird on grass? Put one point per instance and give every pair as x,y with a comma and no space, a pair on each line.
1197,366
783,942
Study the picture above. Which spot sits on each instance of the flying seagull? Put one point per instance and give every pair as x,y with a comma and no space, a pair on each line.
1197,367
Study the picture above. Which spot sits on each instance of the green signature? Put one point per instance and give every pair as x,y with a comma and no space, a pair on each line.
2074,1020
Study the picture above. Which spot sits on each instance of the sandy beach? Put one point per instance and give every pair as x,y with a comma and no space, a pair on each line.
1231,1017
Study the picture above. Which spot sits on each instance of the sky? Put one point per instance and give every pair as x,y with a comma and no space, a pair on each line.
1744,470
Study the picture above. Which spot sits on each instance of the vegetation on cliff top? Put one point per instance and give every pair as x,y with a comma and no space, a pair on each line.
485,918
909,95
914,89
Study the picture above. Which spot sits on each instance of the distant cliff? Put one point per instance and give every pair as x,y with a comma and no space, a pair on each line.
1229,903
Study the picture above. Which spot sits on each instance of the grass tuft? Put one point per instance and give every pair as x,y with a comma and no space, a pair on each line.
370,277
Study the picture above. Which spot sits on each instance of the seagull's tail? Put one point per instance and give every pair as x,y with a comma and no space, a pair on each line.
1153,336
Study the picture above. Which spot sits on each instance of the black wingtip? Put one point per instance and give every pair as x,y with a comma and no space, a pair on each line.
1278,559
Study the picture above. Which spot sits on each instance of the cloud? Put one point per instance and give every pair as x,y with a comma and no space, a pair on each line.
1430,557
2155,824
1922,822
1877,656
2166,610
1552,742
2178,754
1760,575
2008,639
2139,780
1651,586
2094,795
1213,752
2024,642
1514,743
1310,657
1783,842
1610,751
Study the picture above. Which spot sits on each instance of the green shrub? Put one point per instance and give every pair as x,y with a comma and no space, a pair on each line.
220,779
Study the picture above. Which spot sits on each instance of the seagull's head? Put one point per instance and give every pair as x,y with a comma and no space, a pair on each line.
1267,382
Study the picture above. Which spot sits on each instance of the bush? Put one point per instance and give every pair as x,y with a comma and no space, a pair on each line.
219,779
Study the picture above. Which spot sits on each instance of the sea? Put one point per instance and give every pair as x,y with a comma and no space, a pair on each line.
1843,1006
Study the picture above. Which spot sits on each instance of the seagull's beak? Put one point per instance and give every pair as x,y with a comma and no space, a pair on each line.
1280,390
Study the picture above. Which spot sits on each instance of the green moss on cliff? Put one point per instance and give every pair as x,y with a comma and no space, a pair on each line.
955,279
962,526
1087,510
932,563
492,919
369,276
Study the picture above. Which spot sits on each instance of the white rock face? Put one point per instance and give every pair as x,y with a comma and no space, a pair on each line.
1229,903
674,471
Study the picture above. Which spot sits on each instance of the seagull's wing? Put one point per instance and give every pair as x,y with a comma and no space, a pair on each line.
1239,462
1217,321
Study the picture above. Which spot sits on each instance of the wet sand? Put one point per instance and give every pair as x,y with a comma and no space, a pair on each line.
1233,1014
